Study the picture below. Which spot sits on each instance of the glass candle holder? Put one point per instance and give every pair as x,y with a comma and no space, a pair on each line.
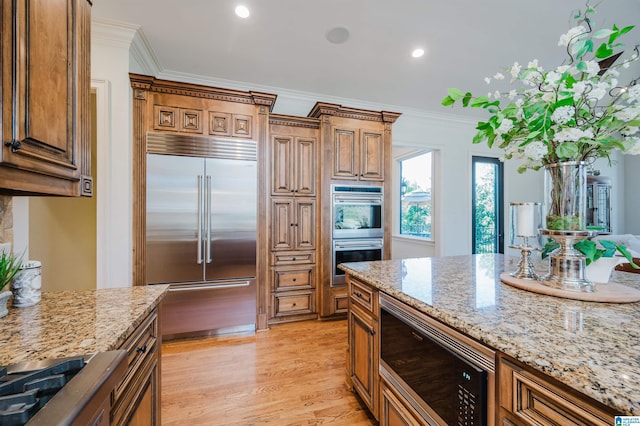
526,222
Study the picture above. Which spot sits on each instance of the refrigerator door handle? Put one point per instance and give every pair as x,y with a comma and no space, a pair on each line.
208,201
199,255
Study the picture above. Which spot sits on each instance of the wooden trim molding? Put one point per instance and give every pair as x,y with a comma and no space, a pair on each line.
290,120
324,108
198,91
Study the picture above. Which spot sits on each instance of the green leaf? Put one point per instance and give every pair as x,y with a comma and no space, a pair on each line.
627,29
467,98
602,33
480,101
567,150
447,100
604,51
455,94
480,136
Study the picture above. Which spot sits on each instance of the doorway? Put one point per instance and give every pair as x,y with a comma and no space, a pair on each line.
487,205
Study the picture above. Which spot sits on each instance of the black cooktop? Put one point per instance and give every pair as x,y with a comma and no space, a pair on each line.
27,387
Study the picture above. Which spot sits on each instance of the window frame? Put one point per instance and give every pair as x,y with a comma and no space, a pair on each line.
399,160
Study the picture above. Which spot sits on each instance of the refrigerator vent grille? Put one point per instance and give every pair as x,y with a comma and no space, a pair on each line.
201,146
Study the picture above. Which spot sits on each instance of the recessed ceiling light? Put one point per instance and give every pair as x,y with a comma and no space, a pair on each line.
417,53
242,11
338,35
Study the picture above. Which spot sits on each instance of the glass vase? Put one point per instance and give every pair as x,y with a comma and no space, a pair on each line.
565,189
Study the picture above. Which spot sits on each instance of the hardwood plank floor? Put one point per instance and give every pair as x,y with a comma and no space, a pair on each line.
293,374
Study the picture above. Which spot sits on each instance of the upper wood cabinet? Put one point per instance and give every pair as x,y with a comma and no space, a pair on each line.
293,224
294,165
358,154
46,140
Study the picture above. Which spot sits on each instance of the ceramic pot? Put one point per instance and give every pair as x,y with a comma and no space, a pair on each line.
27,285
600,270
4,298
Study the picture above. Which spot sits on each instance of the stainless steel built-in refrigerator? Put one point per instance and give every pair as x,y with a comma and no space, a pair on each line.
201,231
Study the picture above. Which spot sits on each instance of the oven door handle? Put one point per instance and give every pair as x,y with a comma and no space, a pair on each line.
356,246
365,201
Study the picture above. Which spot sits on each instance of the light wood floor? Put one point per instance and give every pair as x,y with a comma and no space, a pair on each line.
293,374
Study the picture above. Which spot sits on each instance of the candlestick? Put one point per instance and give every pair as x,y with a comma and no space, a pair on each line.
525,215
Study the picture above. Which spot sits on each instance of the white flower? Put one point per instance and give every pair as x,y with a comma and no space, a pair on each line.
534,65
627,114
512,94
579,89
504,127
563,68
592,68
633,93
629,130
535,151
552,78
497,94
635,148
572,134
562,115
498,76
515,71
487,80
565,39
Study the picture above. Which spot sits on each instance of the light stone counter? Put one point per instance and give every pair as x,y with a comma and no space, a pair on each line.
72,323
592,347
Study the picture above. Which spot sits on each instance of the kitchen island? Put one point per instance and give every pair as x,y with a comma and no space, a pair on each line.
592,348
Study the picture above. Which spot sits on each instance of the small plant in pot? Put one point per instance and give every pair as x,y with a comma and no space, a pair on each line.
9,266
595,251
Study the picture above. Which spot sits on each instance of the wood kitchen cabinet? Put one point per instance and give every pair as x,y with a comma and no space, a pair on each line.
394,411
136,399
293,231
355,150
46,140
527,398
293,223
358,154
294,165
364,342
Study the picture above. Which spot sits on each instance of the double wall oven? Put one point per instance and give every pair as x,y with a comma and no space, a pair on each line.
358,226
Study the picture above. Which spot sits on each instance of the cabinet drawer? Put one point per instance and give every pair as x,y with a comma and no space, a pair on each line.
293,302
292,279
139,346
533,400
363,295
283,258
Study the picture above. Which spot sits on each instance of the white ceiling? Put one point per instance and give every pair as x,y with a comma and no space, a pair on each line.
282,45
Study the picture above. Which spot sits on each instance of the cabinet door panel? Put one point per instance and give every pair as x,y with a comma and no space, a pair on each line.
305,224
371,156
282,224
305,166
45,87
344,151
281,160
364,373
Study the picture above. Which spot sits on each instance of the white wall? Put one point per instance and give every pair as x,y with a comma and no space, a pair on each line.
632,196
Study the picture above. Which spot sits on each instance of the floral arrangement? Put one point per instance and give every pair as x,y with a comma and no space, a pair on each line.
593,251
575,112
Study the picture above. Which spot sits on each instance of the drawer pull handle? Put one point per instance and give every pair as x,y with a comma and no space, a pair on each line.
372,332
143,349
294,304
293,258
14,144
294,280
359,294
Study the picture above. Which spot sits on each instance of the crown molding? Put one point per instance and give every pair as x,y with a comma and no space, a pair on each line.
144,55
113,33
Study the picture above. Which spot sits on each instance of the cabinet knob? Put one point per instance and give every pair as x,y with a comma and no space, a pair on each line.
294,280
372,332
293,304
292,224
293,258
14,144
293,190
359,294
142,349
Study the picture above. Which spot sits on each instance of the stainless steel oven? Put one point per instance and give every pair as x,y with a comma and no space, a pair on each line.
354,250
357,211
445,376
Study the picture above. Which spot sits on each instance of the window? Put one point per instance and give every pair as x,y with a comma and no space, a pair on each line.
415,200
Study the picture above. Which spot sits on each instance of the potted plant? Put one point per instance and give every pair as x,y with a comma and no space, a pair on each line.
9,266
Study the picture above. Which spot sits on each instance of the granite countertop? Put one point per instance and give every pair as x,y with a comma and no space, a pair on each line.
72,323
592,347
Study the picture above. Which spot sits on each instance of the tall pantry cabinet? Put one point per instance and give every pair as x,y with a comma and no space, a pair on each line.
45,89
293,230
355,150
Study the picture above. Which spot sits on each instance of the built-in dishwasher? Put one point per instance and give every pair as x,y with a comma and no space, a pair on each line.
448,378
